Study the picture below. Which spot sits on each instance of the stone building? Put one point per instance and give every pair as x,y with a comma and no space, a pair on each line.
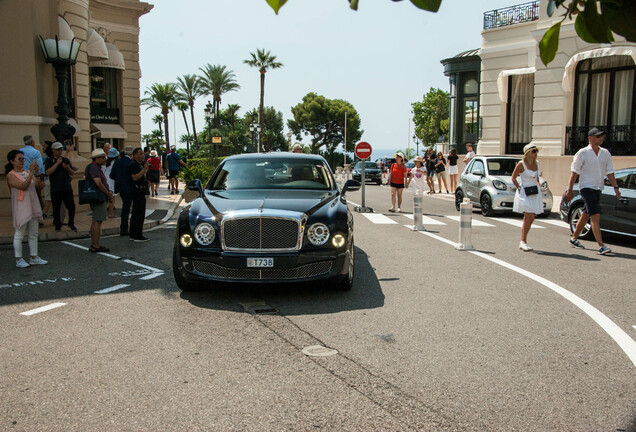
521,100
104,83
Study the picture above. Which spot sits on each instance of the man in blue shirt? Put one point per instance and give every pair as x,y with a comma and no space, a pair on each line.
174,163
32,154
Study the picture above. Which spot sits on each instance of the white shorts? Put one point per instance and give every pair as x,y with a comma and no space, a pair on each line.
452,169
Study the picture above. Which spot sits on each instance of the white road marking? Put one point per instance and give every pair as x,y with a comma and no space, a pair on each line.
75,245
515,222
634,327
378,218
554,222
475,222
353,204
43,309
111,289
149,212
626,343
154,270
426,220
151,276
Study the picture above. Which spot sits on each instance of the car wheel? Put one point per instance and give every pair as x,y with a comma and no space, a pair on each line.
486,205
459,198
575,215
181,283
346,283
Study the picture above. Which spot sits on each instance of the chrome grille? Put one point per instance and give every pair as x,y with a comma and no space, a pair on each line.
261,233
304,271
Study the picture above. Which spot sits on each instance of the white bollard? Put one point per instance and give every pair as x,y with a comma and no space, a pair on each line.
465,226
417,211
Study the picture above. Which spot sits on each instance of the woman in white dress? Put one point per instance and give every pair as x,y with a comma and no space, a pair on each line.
528,198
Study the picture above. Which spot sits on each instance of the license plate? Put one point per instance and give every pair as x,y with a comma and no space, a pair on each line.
260,262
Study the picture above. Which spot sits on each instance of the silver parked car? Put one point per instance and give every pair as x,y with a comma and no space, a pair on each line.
487,182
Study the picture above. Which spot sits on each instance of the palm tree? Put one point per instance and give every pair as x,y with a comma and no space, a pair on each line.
158,120
216,81
162,96
182,106
263,61
189,89
231,111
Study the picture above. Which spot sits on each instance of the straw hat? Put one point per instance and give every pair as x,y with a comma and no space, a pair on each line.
97,153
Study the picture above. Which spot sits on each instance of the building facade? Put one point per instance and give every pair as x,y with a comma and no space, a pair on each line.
523,101
104,89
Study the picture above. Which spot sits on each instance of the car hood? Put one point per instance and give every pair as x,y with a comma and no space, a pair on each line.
302,201
368,170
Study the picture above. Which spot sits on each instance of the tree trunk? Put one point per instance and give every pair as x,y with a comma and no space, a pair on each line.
194,128
165,126
260,111
188,132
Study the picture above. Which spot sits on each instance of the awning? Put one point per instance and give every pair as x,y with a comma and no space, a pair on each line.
65,31
570,67
95,46
115,59
73,123
104,130
502,80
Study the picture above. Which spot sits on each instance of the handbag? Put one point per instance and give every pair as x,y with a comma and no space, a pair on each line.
89,193
531,190
141,187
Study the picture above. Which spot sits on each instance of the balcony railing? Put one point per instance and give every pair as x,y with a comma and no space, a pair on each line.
511,15
619,140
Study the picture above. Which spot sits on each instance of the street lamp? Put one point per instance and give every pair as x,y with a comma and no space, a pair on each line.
417,145
62,54
255,127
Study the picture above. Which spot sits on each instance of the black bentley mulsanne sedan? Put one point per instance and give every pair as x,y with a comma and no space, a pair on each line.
266,218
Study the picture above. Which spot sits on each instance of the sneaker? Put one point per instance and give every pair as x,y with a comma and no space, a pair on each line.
604,250
524,247
37,261
576,243
141,239
399,210
21,263
72,227
392,210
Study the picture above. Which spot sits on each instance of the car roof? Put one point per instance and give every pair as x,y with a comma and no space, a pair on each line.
497,157
275,156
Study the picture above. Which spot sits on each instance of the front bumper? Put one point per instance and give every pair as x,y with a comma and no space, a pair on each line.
503,201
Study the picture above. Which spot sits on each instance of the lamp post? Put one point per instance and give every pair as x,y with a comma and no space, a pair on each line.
62,54
255,127
417,145
209,116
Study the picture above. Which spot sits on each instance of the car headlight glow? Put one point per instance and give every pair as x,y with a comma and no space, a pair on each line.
318,234
186,240
544,185
498,184
204,233
338,240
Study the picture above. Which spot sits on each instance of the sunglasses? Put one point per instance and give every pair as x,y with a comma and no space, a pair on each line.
535,151
20,158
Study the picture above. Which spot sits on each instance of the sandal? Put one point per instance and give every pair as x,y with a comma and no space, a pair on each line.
99,249
392,210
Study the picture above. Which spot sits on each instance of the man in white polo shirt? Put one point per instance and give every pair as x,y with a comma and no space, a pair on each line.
592,164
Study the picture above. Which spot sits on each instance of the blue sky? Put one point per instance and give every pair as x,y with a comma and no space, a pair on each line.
380,58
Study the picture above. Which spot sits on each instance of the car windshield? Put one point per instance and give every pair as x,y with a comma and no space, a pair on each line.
502,167
367,165
276,173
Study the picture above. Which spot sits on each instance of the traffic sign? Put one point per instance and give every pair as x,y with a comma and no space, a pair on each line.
363,150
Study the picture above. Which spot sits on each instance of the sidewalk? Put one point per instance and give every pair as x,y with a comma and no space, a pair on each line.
158,210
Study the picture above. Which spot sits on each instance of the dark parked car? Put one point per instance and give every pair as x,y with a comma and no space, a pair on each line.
372,172
617,215
266,218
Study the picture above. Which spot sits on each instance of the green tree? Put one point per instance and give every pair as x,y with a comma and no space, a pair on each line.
591,25
430,116
162,96
158,120
216,81
324,119
188,90
263,61
272,136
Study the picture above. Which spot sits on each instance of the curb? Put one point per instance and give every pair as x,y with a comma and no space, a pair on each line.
70,235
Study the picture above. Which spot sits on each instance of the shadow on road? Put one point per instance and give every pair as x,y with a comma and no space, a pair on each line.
297,298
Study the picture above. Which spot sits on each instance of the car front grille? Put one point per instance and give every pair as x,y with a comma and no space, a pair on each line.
261,233
304,271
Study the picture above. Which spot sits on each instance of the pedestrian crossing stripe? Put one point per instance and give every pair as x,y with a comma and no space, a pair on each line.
426,220
378,218
475,222
515,222
558,223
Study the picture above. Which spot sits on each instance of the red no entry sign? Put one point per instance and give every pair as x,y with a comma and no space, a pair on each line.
363,150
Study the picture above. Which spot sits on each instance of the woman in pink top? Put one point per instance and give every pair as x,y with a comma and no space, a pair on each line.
25,207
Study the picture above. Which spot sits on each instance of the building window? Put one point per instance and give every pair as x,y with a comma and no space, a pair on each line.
519,115
604,97
104,95
470,109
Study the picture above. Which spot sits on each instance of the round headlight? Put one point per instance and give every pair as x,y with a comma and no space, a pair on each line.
498,184
204,233
544,186
338,240
185,240
318,234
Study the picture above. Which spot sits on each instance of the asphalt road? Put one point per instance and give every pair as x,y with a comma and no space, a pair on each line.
430,338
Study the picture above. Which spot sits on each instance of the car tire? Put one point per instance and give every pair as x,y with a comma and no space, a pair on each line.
459,198
182,283
573,219
346,283
485,202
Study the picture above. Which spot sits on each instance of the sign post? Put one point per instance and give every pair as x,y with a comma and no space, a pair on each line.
363,152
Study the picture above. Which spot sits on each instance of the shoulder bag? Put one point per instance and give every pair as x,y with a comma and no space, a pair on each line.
89,193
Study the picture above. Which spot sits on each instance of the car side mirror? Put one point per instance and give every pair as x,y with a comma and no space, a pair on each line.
477,173
350,185
194,190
